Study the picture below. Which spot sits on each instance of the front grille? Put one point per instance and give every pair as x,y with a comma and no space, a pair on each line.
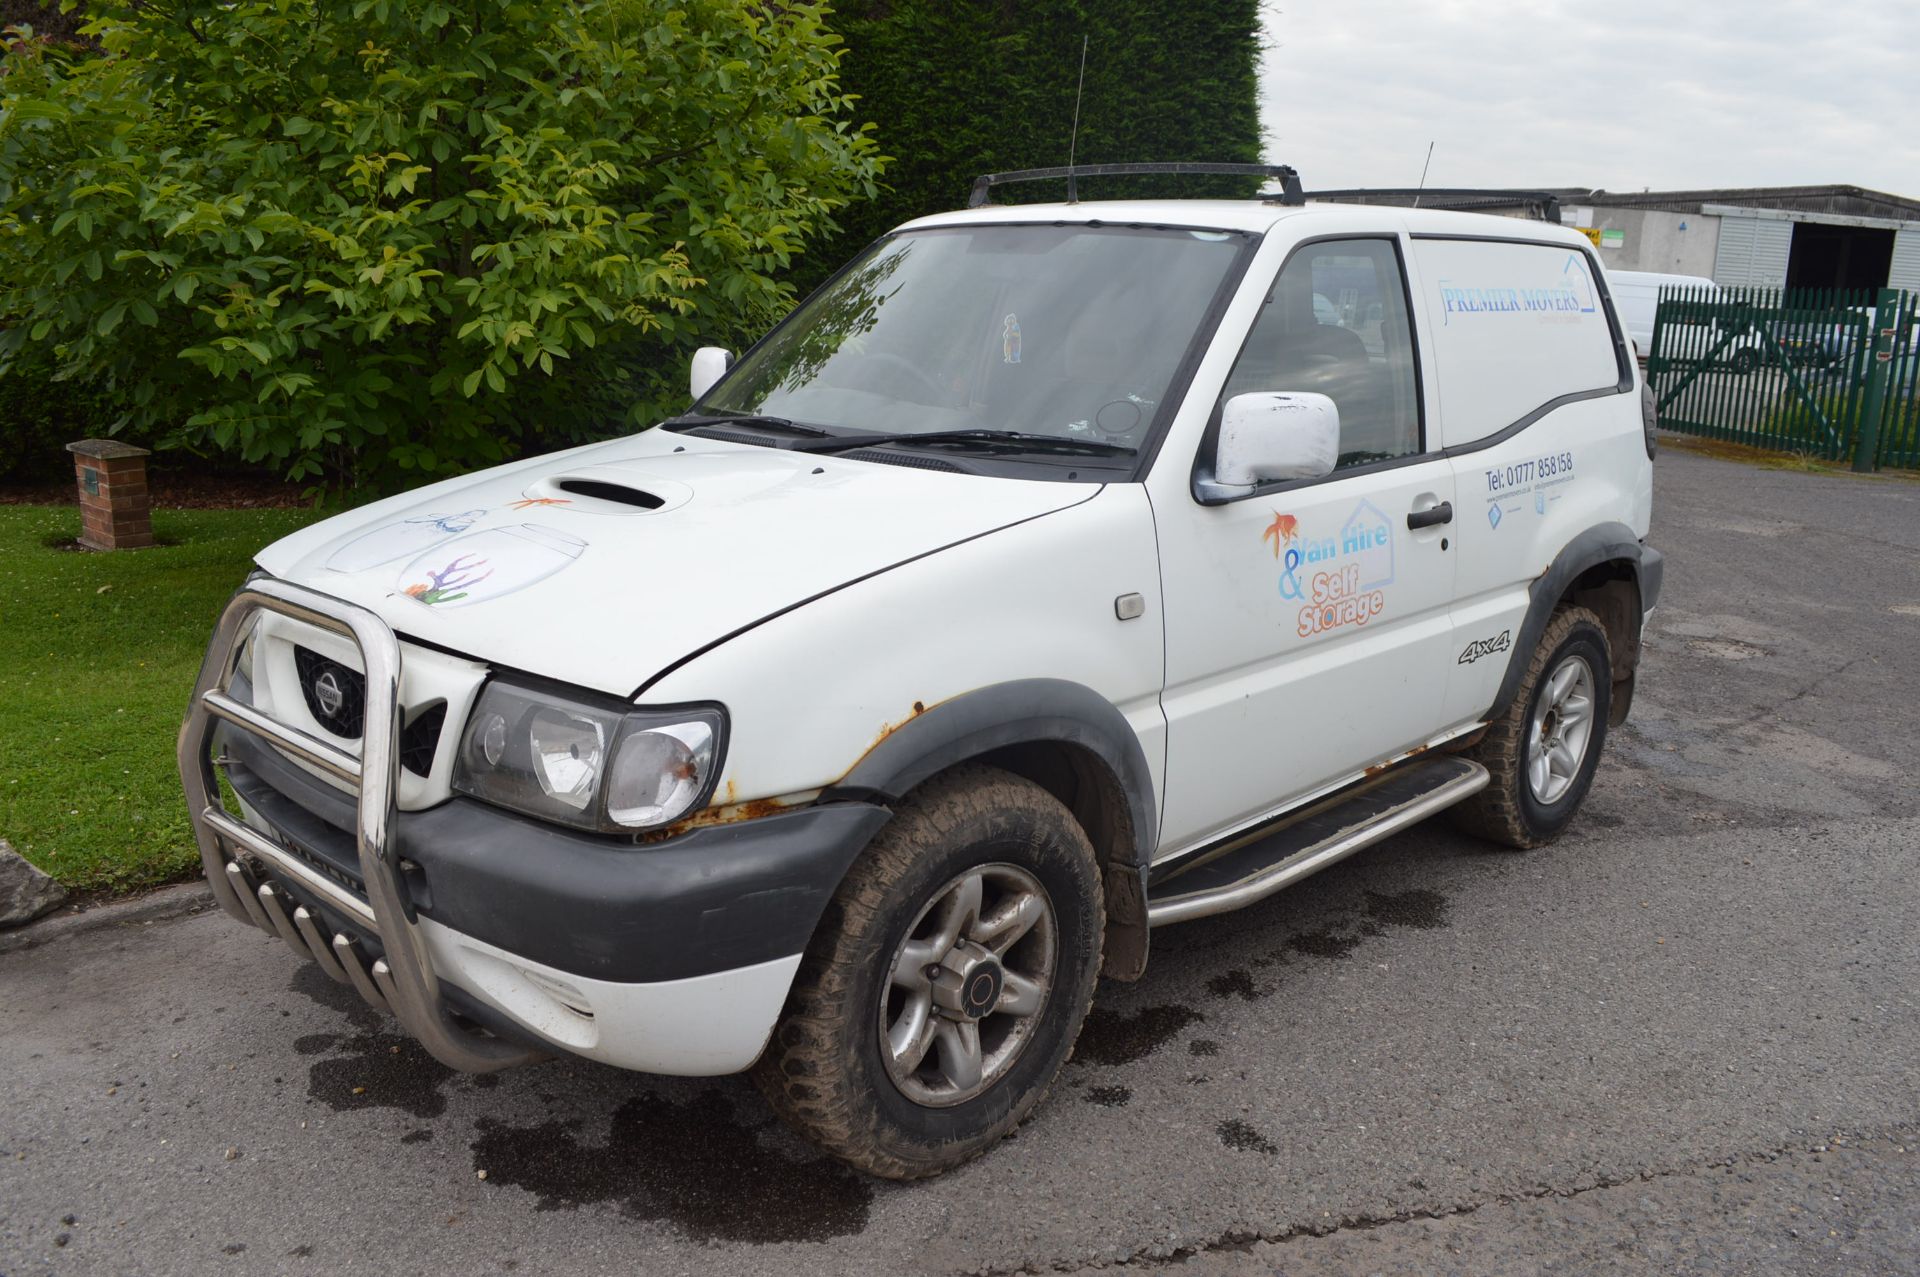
336,696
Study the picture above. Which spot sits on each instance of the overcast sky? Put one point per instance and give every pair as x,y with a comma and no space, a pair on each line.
1621,94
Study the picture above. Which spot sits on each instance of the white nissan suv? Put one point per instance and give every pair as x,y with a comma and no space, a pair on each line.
1053,573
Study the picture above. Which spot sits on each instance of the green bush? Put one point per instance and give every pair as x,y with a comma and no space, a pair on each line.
39,417
970,87
362,242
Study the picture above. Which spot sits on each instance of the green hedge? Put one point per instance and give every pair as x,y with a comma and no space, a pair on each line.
963,88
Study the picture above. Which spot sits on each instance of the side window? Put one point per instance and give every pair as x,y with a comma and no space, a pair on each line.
1514,327
1335,324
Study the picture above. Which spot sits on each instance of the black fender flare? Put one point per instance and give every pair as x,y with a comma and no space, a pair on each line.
1602,543
1022,712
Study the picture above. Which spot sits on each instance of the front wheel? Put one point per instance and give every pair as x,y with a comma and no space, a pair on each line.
1745,361
947,982
1542,752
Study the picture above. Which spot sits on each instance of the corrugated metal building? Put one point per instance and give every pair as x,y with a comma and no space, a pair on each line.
1780,236
1773,236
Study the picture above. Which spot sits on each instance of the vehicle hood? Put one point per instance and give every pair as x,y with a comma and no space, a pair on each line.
603,565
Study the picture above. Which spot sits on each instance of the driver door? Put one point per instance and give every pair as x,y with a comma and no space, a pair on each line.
1308,634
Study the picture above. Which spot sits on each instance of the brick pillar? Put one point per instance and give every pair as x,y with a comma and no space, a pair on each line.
114,507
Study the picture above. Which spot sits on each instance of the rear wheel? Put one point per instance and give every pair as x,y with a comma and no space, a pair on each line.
1745,361
1542,753
947,982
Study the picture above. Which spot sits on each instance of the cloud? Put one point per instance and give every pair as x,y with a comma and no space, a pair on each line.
1623,94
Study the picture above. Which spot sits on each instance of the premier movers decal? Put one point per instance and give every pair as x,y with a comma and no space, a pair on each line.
1337,580
1571,293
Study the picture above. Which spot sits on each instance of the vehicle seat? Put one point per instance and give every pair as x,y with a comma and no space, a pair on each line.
1291,350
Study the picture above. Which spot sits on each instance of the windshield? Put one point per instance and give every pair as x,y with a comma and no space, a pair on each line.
1074,332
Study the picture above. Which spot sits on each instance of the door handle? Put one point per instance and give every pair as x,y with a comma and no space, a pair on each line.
1442,513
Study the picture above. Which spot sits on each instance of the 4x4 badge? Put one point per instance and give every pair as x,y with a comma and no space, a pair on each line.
1486,647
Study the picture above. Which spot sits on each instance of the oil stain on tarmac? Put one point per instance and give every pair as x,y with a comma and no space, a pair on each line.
1418,909
1421,910
367,1068
691,1165
380,1070
1236,1134
1234,983
1108,1037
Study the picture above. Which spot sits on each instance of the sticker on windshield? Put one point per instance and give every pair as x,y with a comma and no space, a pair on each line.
1010,339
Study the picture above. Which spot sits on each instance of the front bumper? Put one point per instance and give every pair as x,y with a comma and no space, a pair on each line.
492,937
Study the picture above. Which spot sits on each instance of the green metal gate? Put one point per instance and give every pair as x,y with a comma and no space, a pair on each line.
1816,371
1900,418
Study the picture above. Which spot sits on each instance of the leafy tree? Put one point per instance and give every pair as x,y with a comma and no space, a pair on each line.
360,239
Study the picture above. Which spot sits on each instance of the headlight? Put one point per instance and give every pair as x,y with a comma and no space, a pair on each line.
565,757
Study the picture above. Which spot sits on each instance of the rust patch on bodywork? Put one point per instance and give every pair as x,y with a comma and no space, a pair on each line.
721,814
886,729
726,809
1392,763
731,813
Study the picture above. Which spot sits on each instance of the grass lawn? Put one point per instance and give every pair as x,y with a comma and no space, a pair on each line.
98,653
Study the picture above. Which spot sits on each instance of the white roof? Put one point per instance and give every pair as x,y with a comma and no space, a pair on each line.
1258,216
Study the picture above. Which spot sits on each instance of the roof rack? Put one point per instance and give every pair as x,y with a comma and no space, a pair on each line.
1542,205
1284,173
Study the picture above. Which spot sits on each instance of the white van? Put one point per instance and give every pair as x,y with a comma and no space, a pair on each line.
1636,296
1053,573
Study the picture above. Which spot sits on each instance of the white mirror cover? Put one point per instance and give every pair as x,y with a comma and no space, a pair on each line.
1273,435
710,363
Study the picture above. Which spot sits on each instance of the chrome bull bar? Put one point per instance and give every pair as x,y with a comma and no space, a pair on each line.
403,982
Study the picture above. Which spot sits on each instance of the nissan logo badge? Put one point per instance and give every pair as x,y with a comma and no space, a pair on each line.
327,692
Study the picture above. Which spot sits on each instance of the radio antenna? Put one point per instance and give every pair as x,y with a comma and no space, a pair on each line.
1423,176
1073,139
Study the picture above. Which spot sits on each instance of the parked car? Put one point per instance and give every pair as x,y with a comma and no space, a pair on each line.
1054,573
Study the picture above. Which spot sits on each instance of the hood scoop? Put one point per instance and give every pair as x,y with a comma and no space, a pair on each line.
607,490
617,493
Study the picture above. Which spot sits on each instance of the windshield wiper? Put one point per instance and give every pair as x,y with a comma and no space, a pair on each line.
755,421
1003,440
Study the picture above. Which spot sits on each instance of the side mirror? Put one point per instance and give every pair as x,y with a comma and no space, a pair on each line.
1273,435
710,364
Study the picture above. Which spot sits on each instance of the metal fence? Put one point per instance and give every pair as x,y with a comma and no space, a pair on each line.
1822,372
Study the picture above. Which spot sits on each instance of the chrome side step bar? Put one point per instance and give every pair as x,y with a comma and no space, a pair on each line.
404,981
1251,868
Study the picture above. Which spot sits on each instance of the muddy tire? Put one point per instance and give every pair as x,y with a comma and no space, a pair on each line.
947,981
1542,752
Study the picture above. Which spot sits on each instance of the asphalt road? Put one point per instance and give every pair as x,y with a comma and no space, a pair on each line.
1681,1040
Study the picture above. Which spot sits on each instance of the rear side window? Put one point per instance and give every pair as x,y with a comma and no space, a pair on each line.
1513,327
1335,323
